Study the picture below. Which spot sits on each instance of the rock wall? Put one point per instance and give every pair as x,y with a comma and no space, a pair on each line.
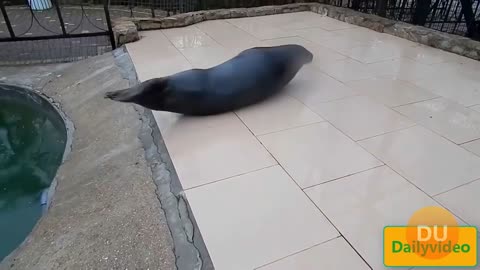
125,32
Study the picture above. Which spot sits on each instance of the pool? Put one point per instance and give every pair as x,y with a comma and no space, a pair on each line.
33,138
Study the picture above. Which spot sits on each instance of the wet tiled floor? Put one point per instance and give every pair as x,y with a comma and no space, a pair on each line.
374,129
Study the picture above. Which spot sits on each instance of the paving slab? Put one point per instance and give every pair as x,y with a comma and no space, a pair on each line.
332,138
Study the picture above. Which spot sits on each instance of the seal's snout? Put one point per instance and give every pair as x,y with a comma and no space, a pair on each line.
308,56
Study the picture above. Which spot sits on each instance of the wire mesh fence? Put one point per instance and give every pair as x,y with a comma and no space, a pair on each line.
52,50
443,15
46,31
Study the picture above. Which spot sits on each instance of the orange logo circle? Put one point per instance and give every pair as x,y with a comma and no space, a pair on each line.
432,232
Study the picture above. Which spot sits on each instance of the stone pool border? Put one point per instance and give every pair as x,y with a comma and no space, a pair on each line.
126,29
118,202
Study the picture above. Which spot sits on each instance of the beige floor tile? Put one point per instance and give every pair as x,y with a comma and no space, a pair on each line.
316,34
260,30
320,54
431,162
256,218
155,67
161,67
317,153
329,24
334,254
228,35
276,114
207,149
350,70
341,42
286,21
473,147
360,117
390,92
364,35
347,39
463,202
475,107
372,53
154,56
463,69
313,87
404,69
428,55
207,57
188,37
458,89
447,118
300,20
169,122
151,40
289,40
361,205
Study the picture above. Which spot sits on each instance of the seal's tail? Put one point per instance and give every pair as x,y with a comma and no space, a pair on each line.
125,95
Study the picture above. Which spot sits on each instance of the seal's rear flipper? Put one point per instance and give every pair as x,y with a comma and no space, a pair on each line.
125,95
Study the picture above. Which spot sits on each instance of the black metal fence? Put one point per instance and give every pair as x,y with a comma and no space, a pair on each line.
460,17
40,31
44,31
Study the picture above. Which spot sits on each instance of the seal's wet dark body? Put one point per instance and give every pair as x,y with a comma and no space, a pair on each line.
250,77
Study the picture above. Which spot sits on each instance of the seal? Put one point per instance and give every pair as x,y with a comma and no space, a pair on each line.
248,78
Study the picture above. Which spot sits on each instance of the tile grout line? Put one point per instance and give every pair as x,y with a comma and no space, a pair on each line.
422,123
297,252
229,177
460,144
464,184
314,43
388,132
216,41
342,177
451,211
311,201
406,179
354,140
231,24
293,127
178,50
357,142
414,102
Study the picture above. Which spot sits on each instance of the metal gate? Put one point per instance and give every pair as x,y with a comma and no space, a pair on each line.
44,31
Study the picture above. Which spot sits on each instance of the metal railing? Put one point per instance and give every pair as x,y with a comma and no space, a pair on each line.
50,31
460,17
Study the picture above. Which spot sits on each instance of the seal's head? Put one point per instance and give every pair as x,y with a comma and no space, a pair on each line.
306,57
151,94
299,54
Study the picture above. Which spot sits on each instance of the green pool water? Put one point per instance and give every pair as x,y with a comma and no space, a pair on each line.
32,144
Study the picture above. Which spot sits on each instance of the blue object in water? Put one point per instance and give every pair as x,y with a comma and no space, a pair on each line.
44,197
